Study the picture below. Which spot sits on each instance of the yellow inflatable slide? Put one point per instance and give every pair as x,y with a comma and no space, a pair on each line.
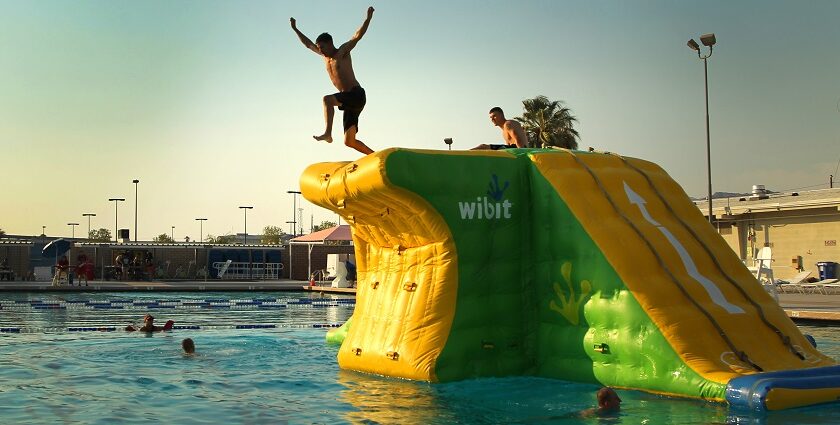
580,266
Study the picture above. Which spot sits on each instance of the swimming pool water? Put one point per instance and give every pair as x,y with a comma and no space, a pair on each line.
285,374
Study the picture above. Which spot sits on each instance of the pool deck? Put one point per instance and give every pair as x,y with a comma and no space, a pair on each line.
286,285
812,307
800,307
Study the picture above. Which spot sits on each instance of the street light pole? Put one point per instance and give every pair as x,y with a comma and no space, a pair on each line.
245,209
135,181
294,193
88,215
172,235
708,40
44,230
201,229
116,214
300,220
73,226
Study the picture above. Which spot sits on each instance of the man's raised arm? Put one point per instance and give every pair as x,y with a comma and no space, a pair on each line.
304,39
348,46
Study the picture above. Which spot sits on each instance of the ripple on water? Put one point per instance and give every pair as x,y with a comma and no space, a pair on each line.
285,375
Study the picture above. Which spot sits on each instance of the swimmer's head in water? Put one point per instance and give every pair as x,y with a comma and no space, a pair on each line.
148,318
608,399
188,345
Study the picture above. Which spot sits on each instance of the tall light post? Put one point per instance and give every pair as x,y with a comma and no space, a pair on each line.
135,181
44,230
88,215
73,226
172,235
292,225
116,202
300,220
294,194
245,209
708,40
201,229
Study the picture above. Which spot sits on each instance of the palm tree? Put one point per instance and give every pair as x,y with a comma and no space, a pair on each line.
548,123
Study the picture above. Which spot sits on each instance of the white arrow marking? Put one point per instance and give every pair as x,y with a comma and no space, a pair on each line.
690,267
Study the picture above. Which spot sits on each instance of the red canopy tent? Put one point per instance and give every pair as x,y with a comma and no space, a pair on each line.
340,233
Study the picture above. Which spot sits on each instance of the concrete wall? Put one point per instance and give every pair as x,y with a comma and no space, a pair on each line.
731,235
812,234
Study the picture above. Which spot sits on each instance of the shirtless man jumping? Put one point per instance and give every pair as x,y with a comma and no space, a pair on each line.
512,132
351,96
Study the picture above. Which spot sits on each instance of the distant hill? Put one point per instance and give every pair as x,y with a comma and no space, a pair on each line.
727,195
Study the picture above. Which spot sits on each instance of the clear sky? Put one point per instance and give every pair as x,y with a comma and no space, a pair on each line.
212,104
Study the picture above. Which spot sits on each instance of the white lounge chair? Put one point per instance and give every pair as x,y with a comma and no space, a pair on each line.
224,268
827,286
793,284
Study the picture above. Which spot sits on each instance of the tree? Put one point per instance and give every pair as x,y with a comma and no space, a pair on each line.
548,123
164,238
100,235
2,233
272,235
220,240
324,225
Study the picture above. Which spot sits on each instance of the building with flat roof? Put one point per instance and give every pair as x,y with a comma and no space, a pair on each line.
801,228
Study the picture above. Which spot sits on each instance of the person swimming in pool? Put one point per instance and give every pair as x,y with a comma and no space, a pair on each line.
188,345
149,325
609,404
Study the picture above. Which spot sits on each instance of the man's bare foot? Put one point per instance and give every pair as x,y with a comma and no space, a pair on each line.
324,137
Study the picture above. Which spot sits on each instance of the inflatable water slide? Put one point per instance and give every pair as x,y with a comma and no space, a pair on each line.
580,266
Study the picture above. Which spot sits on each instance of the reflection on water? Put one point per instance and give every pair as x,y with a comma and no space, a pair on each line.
515,400
386,400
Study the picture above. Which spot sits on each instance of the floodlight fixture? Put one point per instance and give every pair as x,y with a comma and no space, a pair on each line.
693,45
708,40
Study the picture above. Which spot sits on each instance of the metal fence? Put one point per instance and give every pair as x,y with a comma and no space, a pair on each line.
230,270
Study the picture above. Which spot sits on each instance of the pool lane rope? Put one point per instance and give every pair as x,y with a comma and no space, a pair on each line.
111,328
122,304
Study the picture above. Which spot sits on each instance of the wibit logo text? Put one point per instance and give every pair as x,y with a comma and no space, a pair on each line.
488,207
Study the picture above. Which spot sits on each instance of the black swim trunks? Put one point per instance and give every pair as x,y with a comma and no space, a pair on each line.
497,147
352,103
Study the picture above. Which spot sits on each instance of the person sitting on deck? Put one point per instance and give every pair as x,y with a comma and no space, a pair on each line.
61,269
149,325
